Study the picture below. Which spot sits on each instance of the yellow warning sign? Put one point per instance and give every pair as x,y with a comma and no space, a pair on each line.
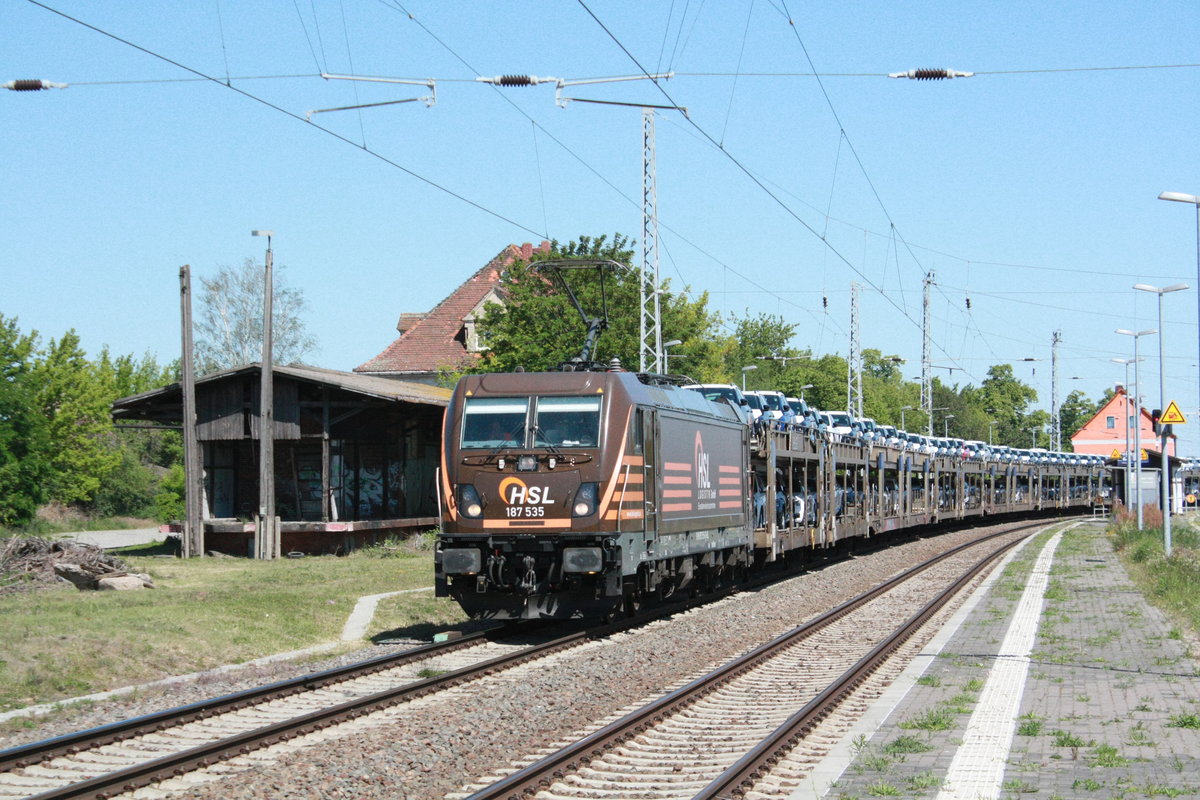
1115,454
1172,416
1144,456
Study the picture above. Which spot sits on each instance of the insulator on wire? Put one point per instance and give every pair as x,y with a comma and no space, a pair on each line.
31,85
931,74
968,304
516,80
825,302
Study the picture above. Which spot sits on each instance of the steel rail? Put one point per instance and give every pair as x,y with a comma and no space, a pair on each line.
149,772
542,773
71,743
737,779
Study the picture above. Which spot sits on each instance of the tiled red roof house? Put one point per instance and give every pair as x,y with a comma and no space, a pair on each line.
1104,433
444,339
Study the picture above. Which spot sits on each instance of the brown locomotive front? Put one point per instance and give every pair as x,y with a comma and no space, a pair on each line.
571,493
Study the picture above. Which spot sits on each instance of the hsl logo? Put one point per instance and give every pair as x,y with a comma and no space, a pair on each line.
515,492
702,479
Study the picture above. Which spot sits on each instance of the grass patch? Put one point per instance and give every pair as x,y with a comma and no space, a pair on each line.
1185,721
929,680
1087,784
1018,786
1168,583
1106,755
935,719
923,780
1067,739
429,672
205,612
903,745
71,522
883,789
1030,725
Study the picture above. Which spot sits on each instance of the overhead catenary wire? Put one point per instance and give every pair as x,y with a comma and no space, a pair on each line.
777,293
741,167
297,117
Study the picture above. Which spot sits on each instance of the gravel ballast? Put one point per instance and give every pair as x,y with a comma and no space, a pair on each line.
436,746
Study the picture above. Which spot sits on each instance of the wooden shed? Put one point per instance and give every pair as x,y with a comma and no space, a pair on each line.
356,456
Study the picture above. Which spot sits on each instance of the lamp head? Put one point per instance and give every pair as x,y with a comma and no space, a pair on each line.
1180,197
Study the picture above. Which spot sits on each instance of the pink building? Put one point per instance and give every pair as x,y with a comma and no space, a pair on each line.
1104,434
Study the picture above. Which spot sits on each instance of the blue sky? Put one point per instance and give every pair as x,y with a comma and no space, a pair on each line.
1030,189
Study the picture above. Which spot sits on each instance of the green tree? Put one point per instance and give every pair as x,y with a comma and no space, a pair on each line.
24,439
538,328
1007,400
74,399
143,456
1074,413
761,342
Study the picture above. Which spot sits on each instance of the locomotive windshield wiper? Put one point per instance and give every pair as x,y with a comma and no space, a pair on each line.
537,429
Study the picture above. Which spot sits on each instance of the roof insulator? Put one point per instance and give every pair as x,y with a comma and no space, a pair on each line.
931,74
32,85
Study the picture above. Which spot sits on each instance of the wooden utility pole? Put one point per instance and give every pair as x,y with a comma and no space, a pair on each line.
267,527
193,468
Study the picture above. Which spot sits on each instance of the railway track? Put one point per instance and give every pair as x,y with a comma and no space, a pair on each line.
205,737
105,761
124,756
716,736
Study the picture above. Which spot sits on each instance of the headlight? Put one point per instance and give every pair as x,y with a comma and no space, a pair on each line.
582,559
585,500
461,561
468,501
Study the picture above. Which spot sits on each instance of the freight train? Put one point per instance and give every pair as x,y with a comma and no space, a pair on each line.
583,493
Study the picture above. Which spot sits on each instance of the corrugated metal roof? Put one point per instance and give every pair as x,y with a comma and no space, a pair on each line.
369,385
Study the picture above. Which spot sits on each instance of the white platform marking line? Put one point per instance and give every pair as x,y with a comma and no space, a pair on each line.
822,778
977,769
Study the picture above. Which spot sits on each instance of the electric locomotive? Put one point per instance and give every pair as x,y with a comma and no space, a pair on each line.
571,494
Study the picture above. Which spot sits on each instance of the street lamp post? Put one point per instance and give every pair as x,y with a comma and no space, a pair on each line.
1137,423
902,410
744,371
1180,197
1128,418
1165,474
802,388
946,426
991,429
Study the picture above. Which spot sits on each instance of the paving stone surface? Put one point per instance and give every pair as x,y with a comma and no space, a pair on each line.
1110,681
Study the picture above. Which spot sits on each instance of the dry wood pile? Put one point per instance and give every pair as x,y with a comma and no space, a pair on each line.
31,562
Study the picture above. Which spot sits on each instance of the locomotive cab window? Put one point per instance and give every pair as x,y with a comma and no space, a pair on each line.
491,422
567,422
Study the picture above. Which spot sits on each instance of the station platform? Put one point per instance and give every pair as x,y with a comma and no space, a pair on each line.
1056,679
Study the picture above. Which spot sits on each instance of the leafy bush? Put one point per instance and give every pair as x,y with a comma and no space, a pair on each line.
169,501
129,490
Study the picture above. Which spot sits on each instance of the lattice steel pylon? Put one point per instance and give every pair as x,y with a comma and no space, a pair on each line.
926,355
1055,413
854,390
650,319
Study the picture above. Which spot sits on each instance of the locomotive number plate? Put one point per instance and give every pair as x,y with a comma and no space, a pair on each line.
526,511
